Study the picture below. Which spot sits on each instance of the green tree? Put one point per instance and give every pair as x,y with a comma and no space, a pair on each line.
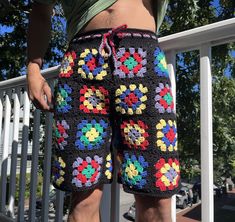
224,125
184,15
13,23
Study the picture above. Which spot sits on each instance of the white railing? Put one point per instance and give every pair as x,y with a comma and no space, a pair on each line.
16,113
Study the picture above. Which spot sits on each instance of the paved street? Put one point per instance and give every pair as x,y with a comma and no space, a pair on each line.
224,210
126,201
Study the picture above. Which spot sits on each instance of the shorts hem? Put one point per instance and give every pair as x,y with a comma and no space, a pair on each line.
80,189
160,194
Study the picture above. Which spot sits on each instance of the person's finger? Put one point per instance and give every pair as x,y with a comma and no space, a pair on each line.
41,107
43,102
47,91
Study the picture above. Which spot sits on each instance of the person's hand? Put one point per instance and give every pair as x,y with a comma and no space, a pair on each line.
39,90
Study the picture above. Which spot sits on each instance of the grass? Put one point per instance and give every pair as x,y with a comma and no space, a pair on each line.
27,187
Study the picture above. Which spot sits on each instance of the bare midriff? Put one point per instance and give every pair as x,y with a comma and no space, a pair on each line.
134,13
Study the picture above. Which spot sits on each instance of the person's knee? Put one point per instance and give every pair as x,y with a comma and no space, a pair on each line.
153,209
148,201
85,202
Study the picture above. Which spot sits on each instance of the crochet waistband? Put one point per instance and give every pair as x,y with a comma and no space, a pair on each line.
107,46
128,32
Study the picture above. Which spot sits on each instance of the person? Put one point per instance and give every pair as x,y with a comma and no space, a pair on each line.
113,92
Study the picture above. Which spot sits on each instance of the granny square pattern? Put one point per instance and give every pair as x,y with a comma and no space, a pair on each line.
164,99
66,68
166,135
58,166
92,65
135,134
160,63
130,63
63,98
91,134
113,99
134,170
94,100
60,133
168,174
131,99
86,172
109,166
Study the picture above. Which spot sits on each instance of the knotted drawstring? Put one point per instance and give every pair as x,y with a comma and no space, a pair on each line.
108,41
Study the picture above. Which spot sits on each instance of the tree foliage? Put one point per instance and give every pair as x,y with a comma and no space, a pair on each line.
14,18
184,15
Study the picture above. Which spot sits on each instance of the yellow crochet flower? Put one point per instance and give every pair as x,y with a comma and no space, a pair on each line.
165,180
62,163
163,62
92,134
108,166
131,171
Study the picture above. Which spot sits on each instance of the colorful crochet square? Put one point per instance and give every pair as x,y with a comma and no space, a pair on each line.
109,166
164,99
160,63
130,63
134,171
135,134
66,68
86,171
92,65
130,100
166,135
57,170
63,98
91,134
168,174
60,133
94,100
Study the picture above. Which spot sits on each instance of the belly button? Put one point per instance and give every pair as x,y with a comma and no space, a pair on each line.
109,10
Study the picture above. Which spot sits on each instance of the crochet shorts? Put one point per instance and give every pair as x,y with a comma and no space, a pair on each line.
113,99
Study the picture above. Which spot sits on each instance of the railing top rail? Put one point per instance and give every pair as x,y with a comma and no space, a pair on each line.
216,33
49,73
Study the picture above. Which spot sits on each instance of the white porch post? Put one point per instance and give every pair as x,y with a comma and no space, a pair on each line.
14,148
207,196
24,152
4,160
171,59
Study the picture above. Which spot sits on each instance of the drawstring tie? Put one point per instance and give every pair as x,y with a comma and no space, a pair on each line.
108,41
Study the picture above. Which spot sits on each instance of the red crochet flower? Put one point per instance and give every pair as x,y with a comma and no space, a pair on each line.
168,174
94,100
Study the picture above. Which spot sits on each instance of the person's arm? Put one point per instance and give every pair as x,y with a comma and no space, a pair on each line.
38,40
